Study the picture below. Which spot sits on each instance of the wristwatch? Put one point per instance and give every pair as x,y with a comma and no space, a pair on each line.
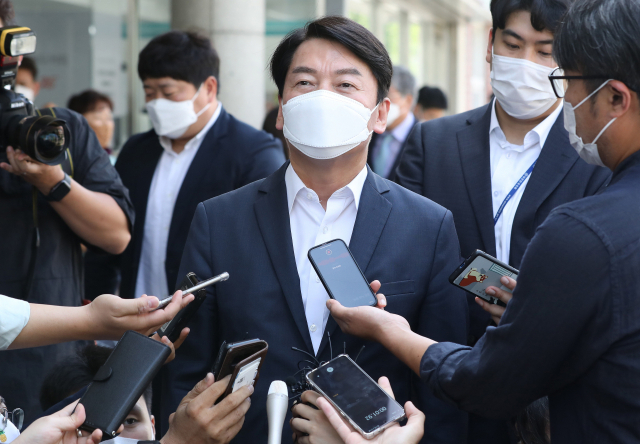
59,190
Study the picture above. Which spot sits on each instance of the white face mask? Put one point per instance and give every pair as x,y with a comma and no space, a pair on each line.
324,125
394,113
522,87
10,432
25,91
587,151
172,119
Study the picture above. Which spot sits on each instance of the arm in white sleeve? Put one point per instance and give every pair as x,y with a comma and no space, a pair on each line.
14,315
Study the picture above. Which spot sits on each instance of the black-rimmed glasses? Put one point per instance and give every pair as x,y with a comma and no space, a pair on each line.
559,84
16,417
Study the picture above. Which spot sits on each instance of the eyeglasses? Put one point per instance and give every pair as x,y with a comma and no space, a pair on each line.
16,417
559,81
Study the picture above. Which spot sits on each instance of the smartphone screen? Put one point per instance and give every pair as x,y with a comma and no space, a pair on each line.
356,394
482,273
340,274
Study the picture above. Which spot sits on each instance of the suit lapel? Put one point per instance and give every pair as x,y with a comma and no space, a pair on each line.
373,212
272,213
475,156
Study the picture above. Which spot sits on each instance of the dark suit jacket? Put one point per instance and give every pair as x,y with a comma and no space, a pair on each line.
447,160
396,162
404,240
231,155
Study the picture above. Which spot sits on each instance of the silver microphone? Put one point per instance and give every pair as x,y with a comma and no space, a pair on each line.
277,404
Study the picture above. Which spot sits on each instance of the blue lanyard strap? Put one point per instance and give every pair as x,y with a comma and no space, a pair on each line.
513,191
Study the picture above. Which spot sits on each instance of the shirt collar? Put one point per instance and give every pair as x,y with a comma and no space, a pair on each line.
196,140
401,131
294,185
537,135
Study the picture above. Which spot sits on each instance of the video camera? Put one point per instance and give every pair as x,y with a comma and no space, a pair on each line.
43,138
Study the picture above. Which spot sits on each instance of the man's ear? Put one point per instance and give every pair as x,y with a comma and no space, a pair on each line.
619,98
280,118
153,424
211,87
380,123
490,46
36,88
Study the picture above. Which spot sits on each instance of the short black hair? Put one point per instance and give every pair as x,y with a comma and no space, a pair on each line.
429,97
356,38
601,38
7,14
545,14
30,65
88,101
180,55
73,374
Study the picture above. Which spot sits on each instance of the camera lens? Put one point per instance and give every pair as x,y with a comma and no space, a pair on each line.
43,138
50,142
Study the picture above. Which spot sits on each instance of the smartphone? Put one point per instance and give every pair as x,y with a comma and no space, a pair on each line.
242,360
481,271
356,396
341,275
172,328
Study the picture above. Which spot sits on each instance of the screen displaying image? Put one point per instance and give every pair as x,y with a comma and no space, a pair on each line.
481,274
342,275
356,394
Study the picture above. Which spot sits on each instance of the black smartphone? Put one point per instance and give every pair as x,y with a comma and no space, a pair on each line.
242,360
173,328
481,271
341,275
356,396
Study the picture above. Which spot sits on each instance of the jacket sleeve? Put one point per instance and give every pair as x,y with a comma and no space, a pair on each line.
443,317
410,172
197,353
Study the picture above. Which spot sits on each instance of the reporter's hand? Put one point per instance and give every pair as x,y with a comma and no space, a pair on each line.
172,345
109,316
59,428
367,322
40,175
311,426
197,420
496,311
411,433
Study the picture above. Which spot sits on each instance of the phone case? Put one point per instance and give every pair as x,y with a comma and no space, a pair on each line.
120,382
344,415
173,328
324,283
232,357
468,262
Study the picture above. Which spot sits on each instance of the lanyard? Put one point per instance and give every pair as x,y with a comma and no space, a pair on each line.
513,191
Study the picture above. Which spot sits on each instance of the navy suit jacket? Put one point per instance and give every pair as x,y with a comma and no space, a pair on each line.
404,240
447,160
231,155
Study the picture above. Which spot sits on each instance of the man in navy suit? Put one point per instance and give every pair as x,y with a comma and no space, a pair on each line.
471,163
195,151
333,77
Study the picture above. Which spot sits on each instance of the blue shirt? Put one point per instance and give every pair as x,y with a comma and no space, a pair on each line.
572,329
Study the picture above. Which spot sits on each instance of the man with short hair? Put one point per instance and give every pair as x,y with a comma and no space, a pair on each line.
27,79
431,104
333,77
386,148
572,329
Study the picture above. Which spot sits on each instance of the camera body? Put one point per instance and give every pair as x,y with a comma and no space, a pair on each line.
43,138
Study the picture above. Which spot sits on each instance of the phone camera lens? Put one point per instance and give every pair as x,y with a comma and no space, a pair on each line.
329,369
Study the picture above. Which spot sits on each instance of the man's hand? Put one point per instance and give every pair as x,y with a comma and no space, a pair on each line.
497,311
42,176
59,428
411,433
367,322
311,426
197,420
109,316
172,345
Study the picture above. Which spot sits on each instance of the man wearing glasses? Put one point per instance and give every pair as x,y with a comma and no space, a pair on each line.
10,422
502,168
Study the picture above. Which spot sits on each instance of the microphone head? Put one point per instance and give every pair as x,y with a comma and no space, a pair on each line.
278,387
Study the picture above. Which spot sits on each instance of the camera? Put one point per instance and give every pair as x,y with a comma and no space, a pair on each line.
42,137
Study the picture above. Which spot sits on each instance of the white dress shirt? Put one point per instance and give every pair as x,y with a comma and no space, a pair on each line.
166,183
508,164
14,315
311,225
